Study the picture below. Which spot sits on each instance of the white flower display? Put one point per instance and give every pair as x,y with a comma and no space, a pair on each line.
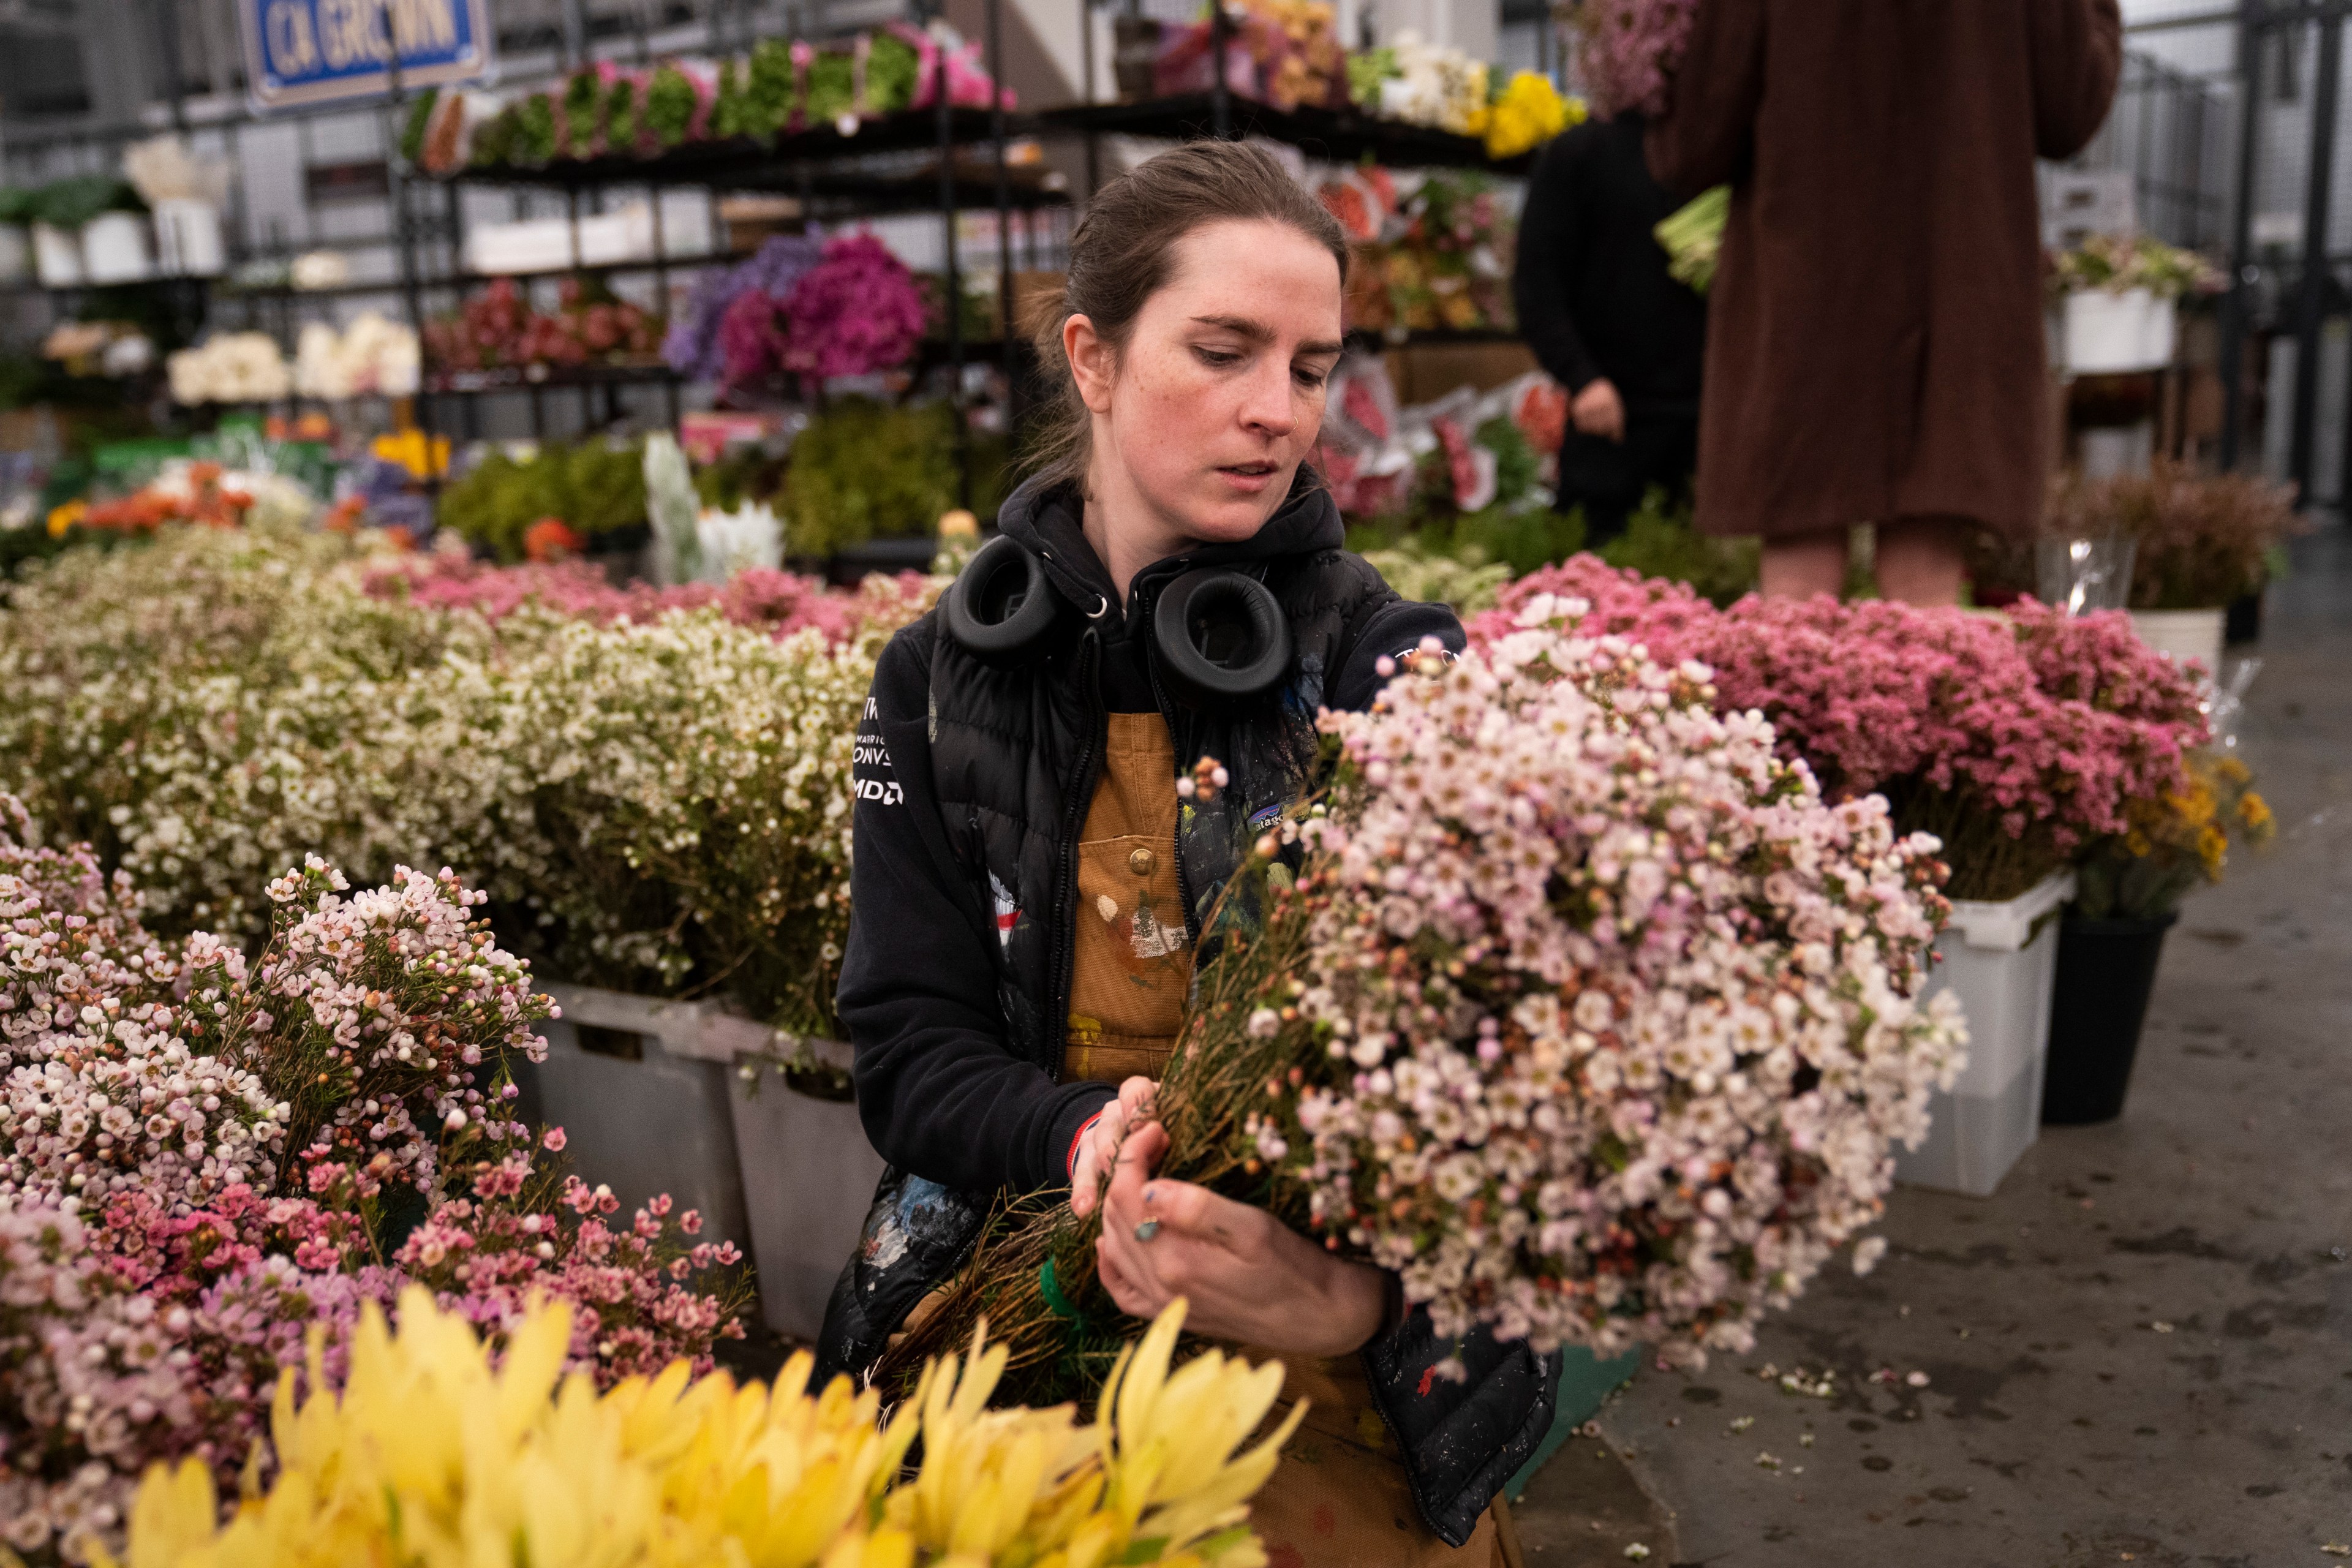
1435,86
750,535
374,355
230,367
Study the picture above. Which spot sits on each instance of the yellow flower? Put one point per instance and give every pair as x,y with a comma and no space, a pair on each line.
64,517
2138,842
1529,112
2254,811
410,450
433,1457
2234,770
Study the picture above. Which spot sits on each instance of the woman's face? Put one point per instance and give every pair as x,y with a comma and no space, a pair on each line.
1201,421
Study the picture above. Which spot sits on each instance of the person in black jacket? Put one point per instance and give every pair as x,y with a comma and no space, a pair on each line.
1029,892
1597,306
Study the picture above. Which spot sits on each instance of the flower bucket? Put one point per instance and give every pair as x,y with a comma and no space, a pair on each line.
642,1105
2106,970
2106,334
57,256
2001,960
809,1174
188,238
117,248
15,253
2184,634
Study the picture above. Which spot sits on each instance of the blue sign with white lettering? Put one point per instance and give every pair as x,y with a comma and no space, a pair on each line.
309,51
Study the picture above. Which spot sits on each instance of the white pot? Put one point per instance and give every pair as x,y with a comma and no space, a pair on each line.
117,248
809,1175
545,244
2001,961
57,256
2104,334
642,1105
188,238
15,253
2184,634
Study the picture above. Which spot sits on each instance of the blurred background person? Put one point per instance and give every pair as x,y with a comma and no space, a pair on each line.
1875,349
1596,305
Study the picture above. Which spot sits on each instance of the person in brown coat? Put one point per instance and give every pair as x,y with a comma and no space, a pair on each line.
1874,340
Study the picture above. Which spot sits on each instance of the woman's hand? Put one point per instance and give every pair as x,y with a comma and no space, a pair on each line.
1246,1275
1098,1145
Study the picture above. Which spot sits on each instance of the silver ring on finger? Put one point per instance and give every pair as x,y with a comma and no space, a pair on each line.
1146,1229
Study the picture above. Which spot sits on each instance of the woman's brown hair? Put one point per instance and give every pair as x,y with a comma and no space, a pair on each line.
1122,251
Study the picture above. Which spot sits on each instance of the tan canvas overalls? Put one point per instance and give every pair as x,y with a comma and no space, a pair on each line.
1339,1499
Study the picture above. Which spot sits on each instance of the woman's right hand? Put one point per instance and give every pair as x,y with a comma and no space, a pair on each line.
1099,1144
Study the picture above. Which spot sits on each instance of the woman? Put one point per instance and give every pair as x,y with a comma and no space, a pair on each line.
1874,348
1030,899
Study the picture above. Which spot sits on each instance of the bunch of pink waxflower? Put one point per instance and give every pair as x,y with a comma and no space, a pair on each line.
2015,740
198,1156
1604,1018
783,602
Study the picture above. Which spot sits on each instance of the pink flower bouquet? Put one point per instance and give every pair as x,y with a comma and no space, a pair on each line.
2016,742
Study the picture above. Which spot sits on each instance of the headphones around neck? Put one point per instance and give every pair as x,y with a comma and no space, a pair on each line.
1219,635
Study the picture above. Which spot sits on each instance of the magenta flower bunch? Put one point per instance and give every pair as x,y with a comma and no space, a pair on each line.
2016,741
1630,49
201,1158
857,311
1605,1017
781,603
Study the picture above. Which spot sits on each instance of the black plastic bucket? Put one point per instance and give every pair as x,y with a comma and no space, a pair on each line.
2105,971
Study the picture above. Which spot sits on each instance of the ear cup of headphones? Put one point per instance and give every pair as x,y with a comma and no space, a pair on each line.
1000,609
1220,637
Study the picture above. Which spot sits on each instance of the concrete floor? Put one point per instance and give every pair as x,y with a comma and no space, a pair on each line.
2140,1348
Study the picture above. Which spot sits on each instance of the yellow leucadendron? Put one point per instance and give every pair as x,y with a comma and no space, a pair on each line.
433,1457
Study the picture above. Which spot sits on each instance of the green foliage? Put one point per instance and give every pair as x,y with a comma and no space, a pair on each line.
420,115
727,102
496,139
71,202
768,90
892,66
583,95
1518,539
869,470
1659,541
1517,467
621,115
534,135
1466,582
669,105
832,86
18,203
594,487
743,475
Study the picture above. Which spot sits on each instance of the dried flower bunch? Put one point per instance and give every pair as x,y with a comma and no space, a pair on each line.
1629,51
2016,742
207,1157
1583,1012
438,1454
2204,539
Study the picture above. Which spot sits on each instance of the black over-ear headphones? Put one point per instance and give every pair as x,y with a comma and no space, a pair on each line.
1219,633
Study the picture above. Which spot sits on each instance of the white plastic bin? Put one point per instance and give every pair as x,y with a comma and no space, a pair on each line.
117,248
188,238
808,1175
2184,634
15,253
544,244
2001,960
642,1103
57,256
2107,334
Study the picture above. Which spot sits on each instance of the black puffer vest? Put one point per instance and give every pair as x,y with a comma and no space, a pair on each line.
1013,757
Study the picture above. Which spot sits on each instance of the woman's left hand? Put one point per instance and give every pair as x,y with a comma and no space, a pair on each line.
1246,1275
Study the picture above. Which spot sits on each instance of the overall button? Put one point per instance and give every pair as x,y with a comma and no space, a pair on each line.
1142,862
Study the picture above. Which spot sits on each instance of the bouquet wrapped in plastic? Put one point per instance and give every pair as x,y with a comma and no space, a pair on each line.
1581,1011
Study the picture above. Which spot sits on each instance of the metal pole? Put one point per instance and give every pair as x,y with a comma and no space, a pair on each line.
576,34
2238,307
1005,333
1221,99
2313,305
945,110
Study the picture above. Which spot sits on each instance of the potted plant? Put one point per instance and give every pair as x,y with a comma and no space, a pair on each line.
91,229
2118,303
2127,896
2200,541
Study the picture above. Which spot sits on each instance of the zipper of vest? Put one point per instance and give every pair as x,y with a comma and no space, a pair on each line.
1065,914
1176,845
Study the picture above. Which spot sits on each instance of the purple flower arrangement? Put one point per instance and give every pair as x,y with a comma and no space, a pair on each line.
847,306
